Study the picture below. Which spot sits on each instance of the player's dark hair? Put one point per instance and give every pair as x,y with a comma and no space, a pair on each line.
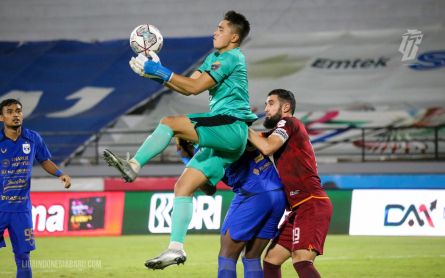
8,102
284,96
239,21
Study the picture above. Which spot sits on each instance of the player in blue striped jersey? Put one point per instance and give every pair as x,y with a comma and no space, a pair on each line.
19,147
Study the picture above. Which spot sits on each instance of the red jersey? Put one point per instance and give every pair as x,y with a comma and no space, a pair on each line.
295,162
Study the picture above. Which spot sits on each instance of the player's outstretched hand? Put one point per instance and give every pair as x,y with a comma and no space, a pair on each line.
66,180
136,68
137,65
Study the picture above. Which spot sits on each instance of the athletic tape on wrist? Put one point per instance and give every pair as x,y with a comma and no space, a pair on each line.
59,172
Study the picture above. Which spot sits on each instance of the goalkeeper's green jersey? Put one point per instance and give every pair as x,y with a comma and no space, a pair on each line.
230,94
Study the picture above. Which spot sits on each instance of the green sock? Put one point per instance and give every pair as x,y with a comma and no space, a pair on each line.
181,217
154,144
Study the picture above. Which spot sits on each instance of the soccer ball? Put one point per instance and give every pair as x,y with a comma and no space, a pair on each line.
144,38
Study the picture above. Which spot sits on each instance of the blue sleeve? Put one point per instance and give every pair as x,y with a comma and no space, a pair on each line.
42,152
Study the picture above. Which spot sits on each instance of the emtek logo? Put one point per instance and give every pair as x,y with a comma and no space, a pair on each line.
397,215
359,63
430,60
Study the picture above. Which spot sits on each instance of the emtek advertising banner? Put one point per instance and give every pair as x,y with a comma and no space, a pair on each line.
77,214
150,212
398,212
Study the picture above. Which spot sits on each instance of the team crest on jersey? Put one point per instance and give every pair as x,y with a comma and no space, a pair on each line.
4,150
26,148
281,123
216,65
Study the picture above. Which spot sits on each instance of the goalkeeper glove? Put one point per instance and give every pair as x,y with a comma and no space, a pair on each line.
153,67
137,65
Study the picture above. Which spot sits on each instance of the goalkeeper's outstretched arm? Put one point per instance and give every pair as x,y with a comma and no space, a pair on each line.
151,67
193,85
170,85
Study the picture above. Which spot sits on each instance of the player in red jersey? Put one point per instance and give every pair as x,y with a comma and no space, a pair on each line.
303,233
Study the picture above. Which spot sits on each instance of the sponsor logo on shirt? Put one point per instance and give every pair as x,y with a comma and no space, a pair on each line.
259,157
295,192
14,183
14,199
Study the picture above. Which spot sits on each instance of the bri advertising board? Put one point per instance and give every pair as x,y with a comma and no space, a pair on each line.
77,214
398,212
150,212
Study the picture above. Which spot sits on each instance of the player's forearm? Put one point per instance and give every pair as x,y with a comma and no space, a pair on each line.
261,143
176,89
194,76
51,168
190,85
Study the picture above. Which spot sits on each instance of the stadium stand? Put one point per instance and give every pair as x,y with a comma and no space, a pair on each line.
80,88
72,64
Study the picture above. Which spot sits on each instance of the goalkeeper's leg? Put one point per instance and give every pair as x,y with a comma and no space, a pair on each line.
170,126
190,180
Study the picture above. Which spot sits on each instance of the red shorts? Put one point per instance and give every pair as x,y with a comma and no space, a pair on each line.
306,226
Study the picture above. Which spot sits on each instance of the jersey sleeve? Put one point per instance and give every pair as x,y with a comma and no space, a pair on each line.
205,65
222,67
284,129
42,152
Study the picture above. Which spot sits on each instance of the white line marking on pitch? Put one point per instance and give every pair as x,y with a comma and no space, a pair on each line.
378,257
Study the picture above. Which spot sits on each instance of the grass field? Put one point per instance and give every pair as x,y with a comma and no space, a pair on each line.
345,256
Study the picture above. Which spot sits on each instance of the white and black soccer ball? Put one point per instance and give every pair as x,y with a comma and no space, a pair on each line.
144,38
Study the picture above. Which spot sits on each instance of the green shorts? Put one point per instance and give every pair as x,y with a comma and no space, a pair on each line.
222,140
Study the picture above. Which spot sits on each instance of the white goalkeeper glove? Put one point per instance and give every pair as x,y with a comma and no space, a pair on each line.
137,65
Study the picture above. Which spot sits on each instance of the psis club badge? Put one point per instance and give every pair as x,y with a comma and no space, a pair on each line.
26,148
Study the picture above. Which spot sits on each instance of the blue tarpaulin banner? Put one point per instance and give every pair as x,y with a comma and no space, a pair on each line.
75,86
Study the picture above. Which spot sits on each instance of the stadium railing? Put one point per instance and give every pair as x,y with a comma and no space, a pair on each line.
344,144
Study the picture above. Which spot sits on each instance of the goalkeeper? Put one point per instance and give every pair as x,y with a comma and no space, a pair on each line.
254,214
221,133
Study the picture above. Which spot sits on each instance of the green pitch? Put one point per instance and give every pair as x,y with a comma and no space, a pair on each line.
124,256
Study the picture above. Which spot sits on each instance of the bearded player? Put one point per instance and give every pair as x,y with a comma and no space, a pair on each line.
303,233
